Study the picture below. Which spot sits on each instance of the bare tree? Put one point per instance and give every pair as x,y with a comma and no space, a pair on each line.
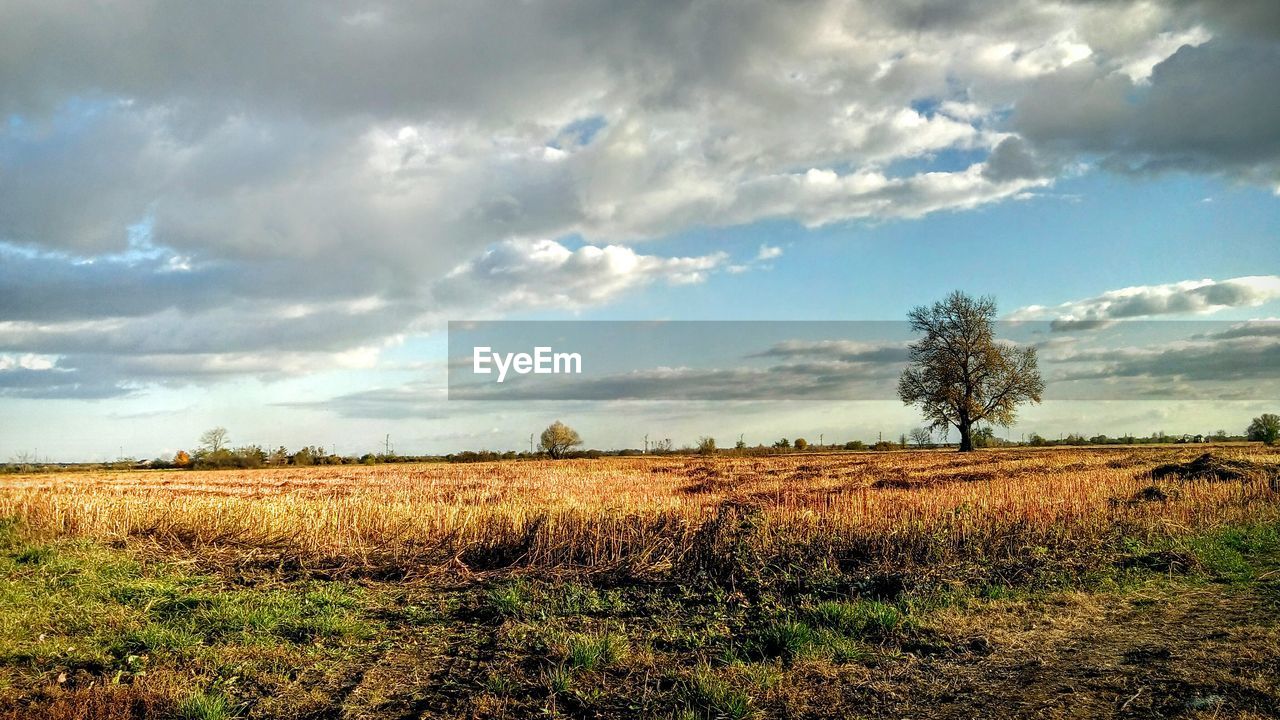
214,440
24,459
558,439
922,437
959,375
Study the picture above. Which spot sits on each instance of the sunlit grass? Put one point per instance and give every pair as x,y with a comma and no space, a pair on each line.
647,513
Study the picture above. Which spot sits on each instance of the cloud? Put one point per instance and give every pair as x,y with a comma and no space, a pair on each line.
305,181
59,382
1189,297
1268,328
208,324
849,351
1209,366
1222,368
1014,159
28,361
1206,108
768,252
790,381
544,273
418,400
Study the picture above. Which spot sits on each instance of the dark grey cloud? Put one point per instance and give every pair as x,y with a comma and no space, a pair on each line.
1206,109
1250,329
419,400
1078,325
45,288
1207,368
848,351
793,381
1014,159
61,381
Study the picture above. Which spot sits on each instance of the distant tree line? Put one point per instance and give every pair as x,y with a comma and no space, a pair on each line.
559,441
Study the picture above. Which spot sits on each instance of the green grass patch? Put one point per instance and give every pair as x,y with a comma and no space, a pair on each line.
206,706
596,650
72,608
1235,554
862,618
512,599
711,696
787,639
273,645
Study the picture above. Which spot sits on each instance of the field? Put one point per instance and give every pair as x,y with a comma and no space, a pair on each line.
1021,582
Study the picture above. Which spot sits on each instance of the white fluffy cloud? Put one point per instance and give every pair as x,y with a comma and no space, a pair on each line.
369,169
1189,297
768,252
526,274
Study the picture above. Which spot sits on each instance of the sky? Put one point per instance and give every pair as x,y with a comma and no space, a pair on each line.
264,216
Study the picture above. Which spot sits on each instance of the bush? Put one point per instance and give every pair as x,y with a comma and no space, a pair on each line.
1265,428
250,456
558,439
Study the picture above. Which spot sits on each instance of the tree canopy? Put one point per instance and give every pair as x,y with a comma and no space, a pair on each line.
558,439
214,439
960,374
1265,427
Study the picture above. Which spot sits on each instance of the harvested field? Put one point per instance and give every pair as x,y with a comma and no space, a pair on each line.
1031,583
646,515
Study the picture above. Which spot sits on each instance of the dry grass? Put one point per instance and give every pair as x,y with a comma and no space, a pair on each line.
649,514
1016,583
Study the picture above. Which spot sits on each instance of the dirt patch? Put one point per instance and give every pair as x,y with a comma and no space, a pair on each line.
1218,469
103,702
1163,654
705,479
1154,493
895,483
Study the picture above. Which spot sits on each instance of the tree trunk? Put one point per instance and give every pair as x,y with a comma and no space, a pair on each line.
966,437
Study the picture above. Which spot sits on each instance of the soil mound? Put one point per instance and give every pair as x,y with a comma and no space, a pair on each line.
1211,467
